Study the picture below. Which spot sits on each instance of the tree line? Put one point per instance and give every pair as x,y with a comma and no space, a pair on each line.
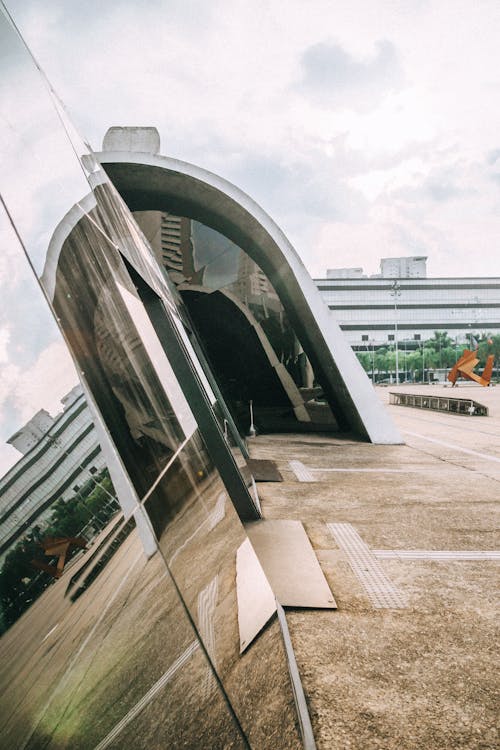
85,513
438,352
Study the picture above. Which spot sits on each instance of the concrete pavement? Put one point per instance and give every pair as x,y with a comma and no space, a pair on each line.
408,660
420,670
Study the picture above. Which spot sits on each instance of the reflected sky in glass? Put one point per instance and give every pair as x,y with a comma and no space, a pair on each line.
133,631
40,180
36,370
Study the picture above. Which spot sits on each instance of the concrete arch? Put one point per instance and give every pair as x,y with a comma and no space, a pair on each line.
149,181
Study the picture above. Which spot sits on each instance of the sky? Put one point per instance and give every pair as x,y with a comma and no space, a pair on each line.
365,128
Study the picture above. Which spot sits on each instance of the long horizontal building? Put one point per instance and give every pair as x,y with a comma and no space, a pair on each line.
59,455
369,308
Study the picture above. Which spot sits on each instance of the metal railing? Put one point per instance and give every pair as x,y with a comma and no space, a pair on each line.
439,403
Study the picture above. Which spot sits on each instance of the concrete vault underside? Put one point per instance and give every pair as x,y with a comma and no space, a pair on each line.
150,182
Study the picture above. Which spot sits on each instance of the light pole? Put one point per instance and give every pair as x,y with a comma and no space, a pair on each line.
395,293
56,442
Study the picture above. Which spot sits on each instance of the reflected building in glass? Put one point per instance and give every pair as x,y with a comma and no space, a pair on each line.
233,307
165,632
59,455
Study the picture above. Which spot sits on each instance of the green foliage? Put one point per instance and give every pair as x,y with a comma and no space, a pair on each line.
366,360
20,583
488,345
449,355
381,359
68,518
15,577
440,351
440,340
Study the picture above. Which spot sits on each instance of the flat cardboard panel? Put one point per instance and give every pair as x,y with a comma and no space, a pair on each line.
256,600
290,564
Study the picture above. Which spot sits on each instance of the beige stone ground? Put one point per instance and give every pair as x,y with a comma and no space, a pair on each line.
424,676
419,677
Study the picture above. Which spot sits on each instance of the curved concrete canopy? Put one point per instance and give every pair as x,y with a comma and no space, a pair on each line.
150,181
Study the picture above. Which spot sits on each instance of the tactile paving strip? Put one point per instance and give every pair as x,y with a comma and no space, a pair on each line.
423,554
301,472
379,588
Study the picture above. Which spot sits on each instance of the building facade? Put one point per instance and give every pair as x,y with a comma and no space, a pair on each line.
408,267
372,311
185,606
59,455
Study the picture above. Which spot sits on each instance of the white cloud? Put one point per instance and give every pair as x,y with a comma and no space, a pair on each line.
4,340
331,77
24,391
41,386
44,384
227,81
375,183
344,245
8,457
238,88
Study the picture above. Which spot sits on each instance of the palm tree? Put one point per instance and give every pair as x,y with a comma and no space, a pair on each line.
441,340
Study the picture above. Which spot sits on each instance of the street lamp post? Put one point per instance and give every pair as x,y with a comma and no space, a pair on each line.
56,442
395,293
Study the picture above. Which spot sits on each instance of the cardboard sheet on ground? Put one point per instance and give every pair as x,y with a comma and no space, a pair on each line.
290,564
256,600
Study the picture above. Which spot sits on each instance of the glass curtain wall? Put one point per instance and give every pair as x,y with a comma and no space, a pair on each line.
182,649
241,325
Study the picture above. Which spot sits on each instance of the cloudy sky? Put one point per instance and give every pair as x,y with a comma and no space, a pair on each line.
366,128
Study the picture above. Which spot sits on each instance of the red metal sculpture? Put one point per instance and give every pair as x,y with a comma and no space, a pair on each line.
60,547
465,365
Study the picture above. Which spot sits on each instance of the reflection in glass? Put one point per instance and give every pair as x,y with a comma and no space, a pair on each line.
241,324
200,542
97,672
120,650
180,488
92,300
41,176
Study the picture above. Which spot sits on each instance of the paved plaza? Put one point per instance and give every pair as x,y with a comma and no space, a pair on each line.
406,536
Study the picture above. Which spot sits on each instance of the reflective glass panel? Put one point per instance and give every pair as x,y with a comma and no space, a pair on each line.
123,648
241,325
